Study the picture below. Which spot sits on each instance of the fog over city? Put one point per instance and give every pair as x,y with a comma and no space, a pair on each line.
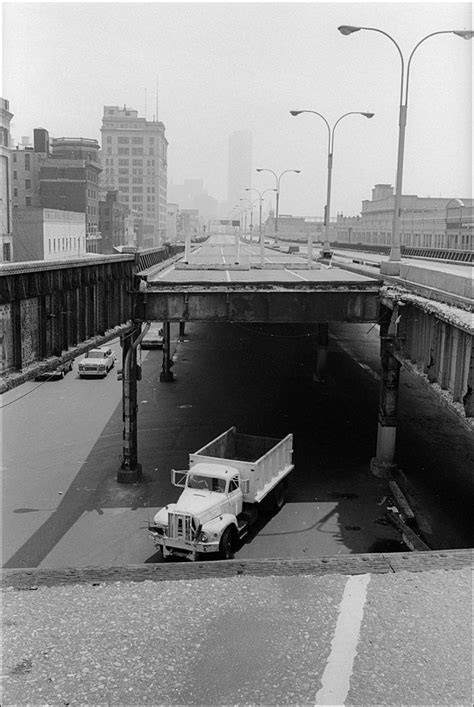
223,67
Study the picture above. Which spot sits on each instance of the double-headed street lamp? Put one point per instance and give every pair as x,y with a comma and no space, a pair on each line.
277,182
326,246
395,252
260,198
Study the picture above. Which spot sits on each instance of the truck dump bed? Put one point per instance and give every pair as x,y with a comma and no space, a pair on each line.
262,461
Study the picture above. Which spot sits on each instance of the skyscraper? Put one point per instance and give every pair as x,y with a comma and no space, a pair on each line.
134,161
240,165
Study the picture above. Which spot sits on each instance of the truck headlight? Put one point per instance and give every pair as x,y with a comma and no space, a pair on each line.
203,537
101,367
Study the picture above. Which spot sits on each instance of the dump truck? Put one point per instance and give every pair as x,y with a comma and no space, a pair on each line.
228,481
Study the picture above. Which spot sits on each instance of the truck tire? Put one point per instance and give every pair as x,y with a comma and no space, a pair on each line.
227,543
279,496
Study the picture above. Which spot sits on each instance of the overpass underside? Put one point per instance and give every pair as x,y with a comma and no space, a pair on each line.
271,304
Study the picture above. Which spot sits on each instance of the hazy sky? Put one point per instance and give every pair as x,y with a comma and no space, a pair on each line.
229,66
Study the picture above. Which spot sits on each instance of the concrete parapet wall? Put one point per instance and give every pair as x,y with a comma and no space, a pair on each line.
453,283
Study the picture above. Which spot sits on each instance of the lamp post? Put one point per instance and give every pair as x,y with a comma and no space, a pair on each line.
250,206
260,198
393,265
277,182
326,246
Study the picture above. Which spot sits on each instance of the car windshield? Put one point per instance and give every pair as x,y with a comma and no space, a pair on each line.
95,353
206,483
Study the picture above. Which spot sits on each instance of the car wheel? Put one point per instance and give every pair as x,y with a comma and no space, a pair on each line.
279,496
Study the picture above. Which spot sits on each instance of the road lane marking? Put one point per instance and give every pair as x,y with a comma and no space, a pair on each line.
348,351
227,275
296,275
335,682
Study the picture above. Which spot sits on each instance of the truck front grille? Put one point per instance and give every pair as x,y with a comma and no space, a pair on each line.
180,526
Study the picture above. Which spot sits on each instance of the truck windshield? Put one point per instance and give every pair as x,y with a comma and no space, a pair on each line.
206,483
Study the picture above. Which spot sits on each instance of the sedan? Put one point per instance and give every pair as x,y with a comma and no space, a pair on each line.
97,362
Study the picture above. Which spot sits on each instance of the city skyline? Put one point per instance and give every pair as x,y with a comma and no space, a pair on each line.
244,66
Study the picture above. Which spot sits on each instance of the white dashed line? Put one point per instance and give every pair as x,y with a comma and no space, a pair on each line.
227,275
296,275
335,681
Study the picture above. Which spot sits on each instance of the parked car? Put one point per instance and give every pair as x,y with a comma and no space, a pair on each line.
58,372
97,362
153,339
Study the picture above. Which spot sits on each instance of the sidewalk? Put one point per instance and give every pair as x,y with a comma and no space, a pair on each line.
387,629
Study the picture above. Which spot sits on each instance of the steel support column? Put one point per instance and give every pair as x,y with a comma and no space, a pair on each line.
166,375
130,470
322,342
383,464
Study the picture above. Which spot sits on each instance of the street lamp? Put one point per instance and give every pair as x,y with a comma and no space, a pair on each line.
250,206
260,195
277,182
326,246
393,266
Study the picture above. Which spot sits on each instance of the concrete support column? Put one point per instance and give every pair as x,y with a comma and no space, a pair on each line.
130,471
322,343
166,375
181,329
383,464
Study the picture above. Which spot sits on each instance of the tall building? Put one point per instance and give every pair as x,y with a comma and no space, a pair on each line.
134,161
5,183
69,180
240,166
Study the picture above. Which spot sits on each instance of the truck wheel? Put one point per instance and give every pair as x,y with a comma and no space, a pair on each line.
226,545
279,496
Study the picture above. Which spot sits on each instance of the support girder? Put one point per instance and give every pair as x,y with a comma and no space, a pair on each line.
263,306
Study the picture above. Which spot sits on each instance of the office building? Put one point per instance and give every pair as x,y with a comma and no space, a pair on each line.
240,166
134,161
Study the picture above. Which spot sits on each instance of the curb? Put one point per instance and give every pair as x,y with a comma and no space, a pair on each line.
376,563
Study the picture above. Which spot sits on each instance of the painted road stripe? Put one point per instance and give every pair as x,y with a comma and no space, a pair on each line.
348,351
296,275
335,681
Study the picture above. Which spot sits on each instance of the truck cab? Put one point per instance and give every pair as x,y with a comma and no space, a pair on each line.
210,504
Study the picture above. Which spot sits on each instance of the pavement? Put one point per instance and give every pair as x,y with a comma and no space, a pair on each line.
378,629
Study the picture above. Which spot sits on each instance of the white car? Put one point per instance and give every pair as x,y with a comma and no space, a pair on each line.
97,362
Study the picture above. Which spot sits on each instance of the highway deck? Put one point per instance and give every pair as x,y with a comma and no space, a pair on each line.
361,630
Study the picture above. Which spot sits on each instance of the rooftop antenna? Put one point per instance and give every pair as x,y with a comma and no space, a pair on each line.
145,103
157,98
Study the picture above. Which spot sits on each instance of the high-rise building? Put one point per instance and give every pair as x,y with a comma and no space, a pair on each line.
5,184
134,161
240,166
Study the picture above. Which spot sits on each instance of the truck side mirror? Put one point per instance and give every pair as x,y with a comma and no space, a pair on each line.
178,478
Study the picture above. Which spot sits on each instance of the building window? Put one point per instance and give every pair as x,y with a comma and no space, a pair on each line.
14,157
27,183
123,163
27,163
15,192
123,151
28,201
137,151
15,175
123,140
109,139
137,140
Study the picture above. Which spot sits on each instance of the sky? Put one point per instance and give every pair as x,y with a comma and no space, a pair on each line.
227,66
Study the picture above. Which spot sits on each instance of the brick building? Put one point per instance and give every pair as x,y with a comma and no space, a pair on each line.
112,218
6,245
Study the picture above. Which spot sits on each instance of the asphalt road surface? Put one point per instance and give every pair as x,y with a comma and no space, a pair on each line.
62,445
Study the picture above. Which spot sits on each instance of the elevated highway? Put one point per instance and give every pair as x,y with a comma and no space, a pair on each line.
55,311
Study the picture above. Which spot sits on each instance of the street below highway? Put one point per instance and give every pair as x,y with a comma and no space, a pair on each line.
62,442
